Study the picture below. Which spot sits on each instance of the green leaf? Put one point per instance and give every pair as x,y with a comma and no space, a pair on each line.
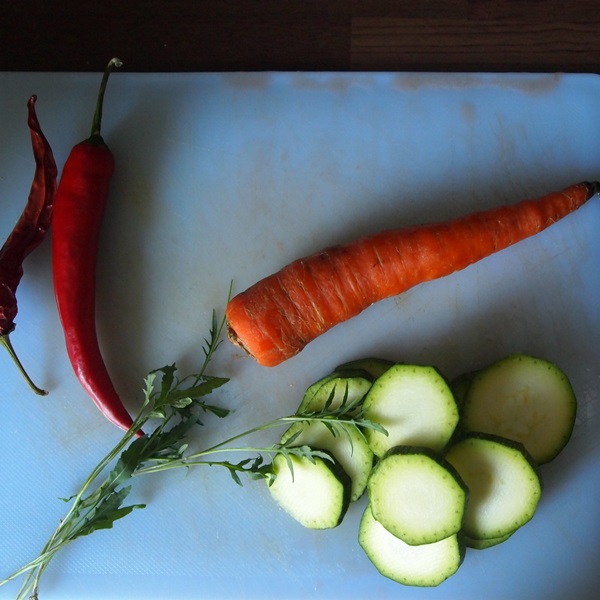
235,476
255,468
181,402
167,442
158,413
216,410
106,512
308,453
197,391
168,376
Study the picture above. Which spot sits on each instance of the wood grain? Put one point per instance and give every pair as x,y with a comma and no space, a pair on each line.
304,35
456,44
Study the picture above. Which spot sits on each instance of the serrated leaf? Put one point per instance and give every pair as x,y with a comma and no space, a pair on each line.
108,522
107,511
217,410
235,477
197,391
168,377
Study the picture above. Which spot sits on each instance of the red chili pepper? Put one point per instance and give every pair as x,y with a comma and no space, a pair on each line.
27,234
79,210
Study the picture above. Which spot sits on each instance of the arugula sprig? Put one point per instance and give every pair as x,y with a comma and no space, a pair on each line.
173,406
347,413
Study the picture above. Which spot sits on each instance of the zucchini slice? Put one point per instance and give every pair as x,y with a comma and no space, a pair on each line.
316,493
372,365
346,444
414,405
525,399
330,392
484,544
426,565
417,496
503,481
312,389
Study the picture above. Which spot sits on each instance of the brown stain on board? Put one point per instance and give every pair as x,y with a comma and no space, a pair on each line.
526,83
248,81
318,82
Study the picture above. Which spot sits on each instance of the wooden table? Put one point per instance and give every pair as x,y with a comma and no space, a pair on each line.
304,35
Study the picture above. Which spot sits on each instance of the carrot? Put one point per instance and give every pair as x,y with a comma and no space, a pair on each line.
275,318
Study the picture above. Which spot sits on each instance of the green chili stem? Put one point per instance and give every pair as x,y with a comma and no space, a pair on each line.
96,123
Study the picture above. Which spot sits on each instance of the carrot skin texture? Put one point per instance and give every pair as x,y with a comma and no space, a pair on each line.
78,213
279,315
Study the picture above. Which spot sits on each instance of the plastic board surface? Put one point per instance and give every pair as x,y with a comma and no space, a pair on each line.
225,177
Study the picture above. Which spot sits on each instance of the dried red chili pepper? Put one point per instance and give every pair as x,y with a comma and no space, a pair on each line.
79,210
27,234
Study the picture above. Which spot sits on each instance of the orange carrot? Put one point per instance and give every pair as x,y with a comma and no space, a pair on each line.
275,318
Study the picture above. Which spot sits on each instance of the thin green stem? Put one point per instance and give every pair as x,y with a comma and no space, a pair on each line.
279,422
62,534
191,459
97,122
163,404
269,425
5,341
30,568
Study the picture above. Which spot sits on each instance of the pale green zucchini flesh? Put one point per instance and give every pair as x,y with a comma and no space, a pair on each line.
503,481
417,496
414,405
458,467
345,443
315,493
525,399
427,565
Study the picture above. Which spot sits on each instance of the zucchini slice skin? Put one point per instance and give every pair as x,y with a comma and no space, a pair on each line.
525,399
417,495
316,493
427,565
416,407
485,544
504,484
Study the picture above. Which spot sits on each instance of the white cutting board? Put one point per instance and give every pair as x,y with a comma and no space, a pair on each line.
226,177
